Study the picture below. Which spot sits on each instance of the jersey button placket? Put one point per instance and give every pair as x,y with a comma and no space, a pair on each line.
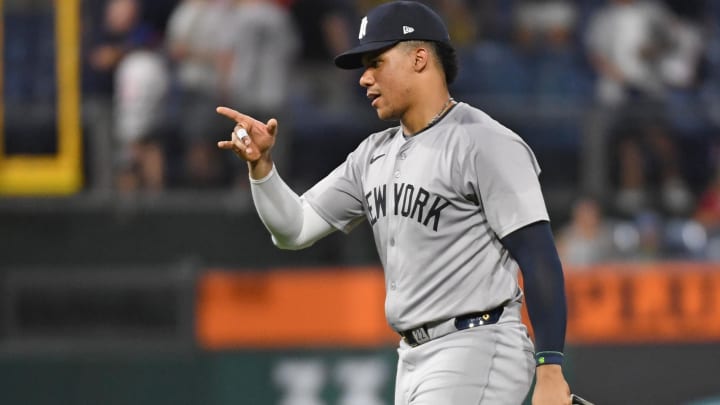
400,157
392,251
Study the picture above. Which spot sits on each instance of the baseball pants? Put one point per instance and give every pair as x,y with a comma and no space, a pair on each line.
489,364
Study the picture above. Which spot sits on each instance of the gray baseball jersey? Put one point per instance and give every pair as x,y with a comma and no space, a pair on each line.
438,202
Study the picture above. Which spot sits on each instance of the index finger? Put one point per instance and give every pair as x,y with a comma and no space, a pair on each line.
234,115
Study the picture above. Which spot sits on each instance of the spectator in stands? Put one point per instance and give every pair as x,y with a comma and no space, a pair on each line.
707,212
324,32
323,99
199,39
544,23
140,159
587,238
122,30
256,72
628,41
544,30
650,226
142,82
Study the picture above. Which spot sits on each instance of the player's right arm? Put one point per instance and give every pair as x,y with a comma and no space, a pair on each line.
294,224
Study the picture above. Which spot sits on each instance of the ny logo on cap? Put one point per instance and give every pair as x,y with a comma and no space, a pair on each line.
363,28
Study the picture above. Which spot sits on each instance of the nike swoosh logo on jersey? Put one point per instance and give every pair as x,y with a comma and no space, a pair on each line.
374,158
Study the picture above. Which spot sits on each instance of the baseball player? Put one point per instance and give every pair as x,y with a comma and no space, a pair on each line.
455,206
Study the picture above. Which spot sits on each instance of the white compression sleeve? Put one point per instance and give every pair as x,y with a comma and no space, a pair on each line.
293,224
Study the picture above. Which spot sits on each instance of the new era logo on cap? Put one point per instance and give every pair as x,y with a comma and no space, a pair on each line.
390,23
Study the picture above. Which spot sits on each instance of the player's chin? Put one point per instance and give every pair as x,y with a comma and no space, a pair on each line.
385,114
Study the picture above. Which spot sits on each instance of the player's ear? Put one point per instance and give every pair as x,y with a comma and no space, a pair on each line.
421,56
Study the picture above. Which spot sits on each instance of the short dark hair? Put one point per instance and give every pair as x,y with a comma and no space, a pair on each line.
445,55
448,59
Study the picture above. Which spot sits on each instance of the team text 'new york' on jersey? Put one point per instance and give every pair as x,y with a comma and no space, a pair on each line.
438,203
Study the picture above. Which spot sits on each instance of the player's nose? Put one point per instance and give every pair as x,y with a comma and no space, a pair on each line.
366,80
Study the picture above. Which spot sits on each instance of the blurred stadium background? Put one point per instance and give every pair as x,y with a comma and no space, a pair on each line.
133,269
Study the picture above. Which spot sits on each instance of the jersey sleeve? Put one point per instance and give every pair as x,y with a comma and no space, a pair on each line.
507,179
338,197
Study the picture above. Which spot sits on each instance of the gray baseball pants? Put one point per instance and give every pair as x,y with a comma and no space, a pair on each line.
489,364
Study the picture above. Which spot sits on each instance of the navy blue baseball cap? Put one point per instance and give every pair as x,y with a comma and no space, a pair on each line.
390,23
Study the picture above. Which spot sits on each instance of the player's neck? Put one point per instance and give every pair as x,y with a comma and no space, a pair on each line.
426,114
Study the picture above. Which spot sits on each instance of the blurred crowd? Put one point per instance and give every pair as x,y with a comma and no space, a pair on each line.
620,99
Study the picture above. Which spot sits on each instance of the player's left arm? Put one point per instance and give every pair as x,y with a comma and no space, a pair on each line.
533,248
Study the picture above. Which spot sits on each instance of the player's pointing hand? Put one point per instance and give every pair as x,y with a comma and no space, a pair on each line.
251,140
